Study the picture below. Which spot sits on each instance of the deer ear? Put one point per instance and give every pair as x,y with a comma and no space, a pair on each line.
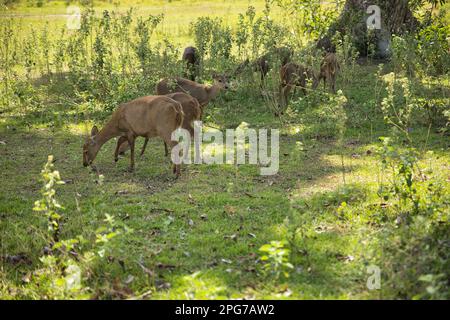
94,131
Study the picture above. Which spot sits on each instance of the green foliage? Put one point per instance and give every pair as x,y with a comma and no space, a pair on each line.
309,19
433,46
392,213
404,54
417,208
399,105
213,40
256,35
325,117
144,31
48,205
65,269
275,258
347,54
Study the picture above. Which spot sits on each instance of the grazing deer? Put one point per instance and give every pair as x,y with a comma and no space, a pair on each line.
329,69
203,93
291,76
192,112
147,117
192,60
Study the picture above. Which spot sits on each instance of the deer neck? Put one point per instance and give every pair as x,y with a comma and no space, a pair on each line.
108,132
212,92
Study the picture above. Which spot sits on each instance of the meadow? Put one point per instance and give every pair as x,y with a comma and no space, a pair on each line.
363,182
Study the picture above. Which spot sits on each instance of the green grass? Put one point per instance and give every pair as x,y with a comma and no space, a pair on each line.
201,233
199,236
178,15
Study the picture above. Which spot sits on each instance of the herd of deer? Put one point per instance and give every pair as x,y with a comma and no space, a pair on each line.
179,102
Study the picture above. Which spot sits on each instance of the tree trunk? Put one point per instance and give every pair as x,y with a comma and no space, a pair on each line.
396,18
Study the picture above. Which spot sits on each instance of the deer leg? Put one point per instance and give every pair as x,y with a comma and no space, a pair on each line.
328,81
120,142
305,93
280,96
131,140
316,82
143,147
166,151
303,85
176,167
286,90
197,151
189,128
262,82
192,72
333,83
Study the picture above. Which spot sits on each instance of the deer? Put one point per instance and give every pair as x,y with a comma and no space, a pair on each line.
192,60
147,117
192,112
262,64
203,93
293,75
326,45
329,68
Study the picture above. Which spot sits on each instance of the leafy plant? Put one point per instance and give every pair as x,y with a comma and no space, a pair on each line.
276,259
48,205
67,265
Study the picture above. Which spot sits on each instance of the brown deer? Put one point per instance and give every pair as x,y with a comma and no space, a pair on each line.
192,112
203,93
192,60
293,75
262,64
329,68
147,117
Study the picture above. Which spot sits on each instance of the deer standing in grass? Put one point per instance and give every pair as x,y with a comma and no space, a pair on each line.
192,60
203,93
293,75
147,117
192,112
329,68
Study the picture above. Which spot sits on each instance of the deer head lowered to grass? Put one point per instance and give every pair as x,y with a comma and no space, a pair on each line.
151,116
293,75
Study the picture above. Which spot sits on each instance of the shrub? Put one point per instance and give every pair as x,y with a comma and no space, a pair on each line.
433,46
64,270
275,259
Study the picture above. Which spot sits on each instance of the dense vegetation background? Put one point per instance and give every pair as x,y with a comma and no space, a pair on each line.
364,174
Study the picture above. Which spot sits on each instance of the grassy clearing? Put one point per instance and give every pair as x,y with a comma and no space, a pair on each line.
199,236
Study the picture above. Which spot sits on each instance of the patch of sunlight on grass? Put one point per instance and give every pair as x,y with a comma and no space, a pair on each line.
199,285
294,129
80,128
128,187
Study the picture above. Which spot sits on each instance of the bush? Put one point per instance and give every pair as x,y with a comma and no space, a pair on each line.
64,271
433,47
